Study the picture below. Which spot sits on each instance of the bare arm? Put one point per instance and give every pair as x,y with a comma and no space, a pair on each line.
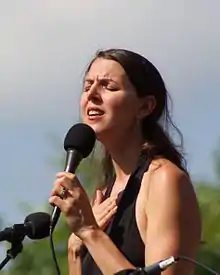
173,219
74,261
104,252
74,245
103,211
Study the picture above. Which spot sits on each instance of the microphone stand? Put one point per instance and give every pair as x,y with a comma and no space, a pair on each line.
16,237
16,248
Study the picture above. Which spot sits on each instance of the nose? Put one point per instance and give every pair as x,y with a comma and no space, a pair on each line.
94,93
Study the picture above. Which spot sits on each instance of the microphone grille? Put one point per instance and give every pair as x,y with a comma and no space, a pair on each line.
37,225
80,137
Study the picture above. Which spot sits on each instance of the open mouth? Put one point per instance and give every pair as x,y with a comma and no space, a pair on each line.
94,112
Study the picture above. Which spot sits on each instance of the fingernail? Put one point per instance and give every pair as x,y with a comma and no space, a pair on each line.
59,174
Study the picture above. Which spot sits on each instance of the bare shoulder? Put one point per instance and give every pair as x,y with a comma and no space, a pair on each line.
165,181
165,169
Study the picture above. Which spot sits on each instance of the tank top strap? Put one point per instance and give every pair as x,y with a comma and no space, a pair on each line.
143,165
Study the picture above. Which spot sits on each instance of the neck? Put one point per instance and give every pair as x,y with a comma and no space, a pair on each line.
125,154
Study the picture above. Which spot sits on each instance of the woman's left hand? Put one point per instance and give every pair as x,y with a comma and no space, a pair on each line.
75,204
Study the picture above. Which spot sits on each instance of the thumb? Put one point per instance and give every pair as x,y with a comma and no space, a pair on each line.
98,197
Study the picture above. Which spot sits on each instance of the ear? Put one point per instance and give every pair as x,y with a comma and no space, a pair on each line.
147,105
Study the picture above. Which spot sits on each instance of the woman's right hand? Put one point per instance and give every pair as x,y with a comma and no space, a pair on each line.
103,212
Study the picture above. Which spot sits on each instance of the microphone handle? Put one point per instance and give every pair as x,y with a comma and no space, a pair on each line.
73,158
54,218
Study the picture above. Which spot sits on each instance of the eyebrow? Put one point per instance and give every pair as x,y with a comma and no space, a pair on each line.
90,80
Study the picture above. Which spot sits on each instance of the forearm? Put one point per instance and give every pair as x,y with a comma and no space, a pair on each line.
74,262
104,252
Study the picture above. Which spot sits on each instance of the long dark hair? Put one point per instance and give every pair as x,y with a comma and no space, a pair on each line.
157,127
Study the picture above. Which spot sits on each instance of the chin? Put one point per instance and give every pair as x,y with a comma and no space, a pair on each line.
102,133
102,130
97,128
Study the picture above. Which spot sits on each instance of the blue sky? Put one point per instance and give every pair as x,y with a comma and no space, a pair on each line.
45,46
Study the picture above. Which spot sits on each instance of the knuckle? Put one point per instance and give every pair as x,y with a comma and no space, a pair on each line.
71,176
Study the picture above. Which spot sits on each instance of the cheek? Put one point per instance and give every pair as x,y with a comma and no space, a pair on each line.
123,112
82,103
123,106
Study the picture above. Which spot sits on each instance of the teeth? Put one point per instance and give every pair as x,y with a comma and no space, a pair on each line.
94,112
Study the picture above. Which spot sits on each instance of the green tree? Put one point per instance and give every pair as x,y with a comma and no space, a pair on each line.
216,161
209,253
209,199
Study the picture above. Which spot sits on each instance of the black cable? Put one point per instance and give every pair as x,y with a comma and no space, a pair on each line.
197,263
158,267
53,251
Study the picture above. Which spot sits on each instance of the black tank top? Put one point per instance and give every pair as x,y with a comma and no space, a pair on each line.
123,229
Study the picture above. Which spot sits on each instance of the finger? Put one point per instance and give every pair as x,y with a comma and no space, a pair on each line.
72,187
57,189
107,217
67,175
67,181
55,200
99,197
103,212
110,202
104,207
60,191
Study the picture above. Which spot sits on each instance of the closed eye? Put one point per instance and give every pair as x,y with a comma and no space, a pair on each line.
111,88
87,88
87,85
105,83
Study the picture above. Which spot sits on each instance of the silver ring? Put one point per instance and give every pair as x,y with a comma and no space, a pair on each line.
64,193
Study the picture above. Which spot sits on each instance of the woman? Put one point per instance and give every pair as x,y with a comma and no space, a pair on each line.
149,210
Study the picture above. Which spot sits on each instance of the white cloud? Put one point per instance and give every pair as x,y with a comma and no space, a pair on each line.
46,44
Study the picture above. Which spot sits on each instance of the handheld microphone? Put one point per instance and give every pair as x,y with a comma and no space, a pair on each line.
35,226
78,143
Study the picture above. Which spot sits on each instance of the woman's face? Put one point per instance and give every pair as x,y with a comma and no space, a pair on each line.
109,103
